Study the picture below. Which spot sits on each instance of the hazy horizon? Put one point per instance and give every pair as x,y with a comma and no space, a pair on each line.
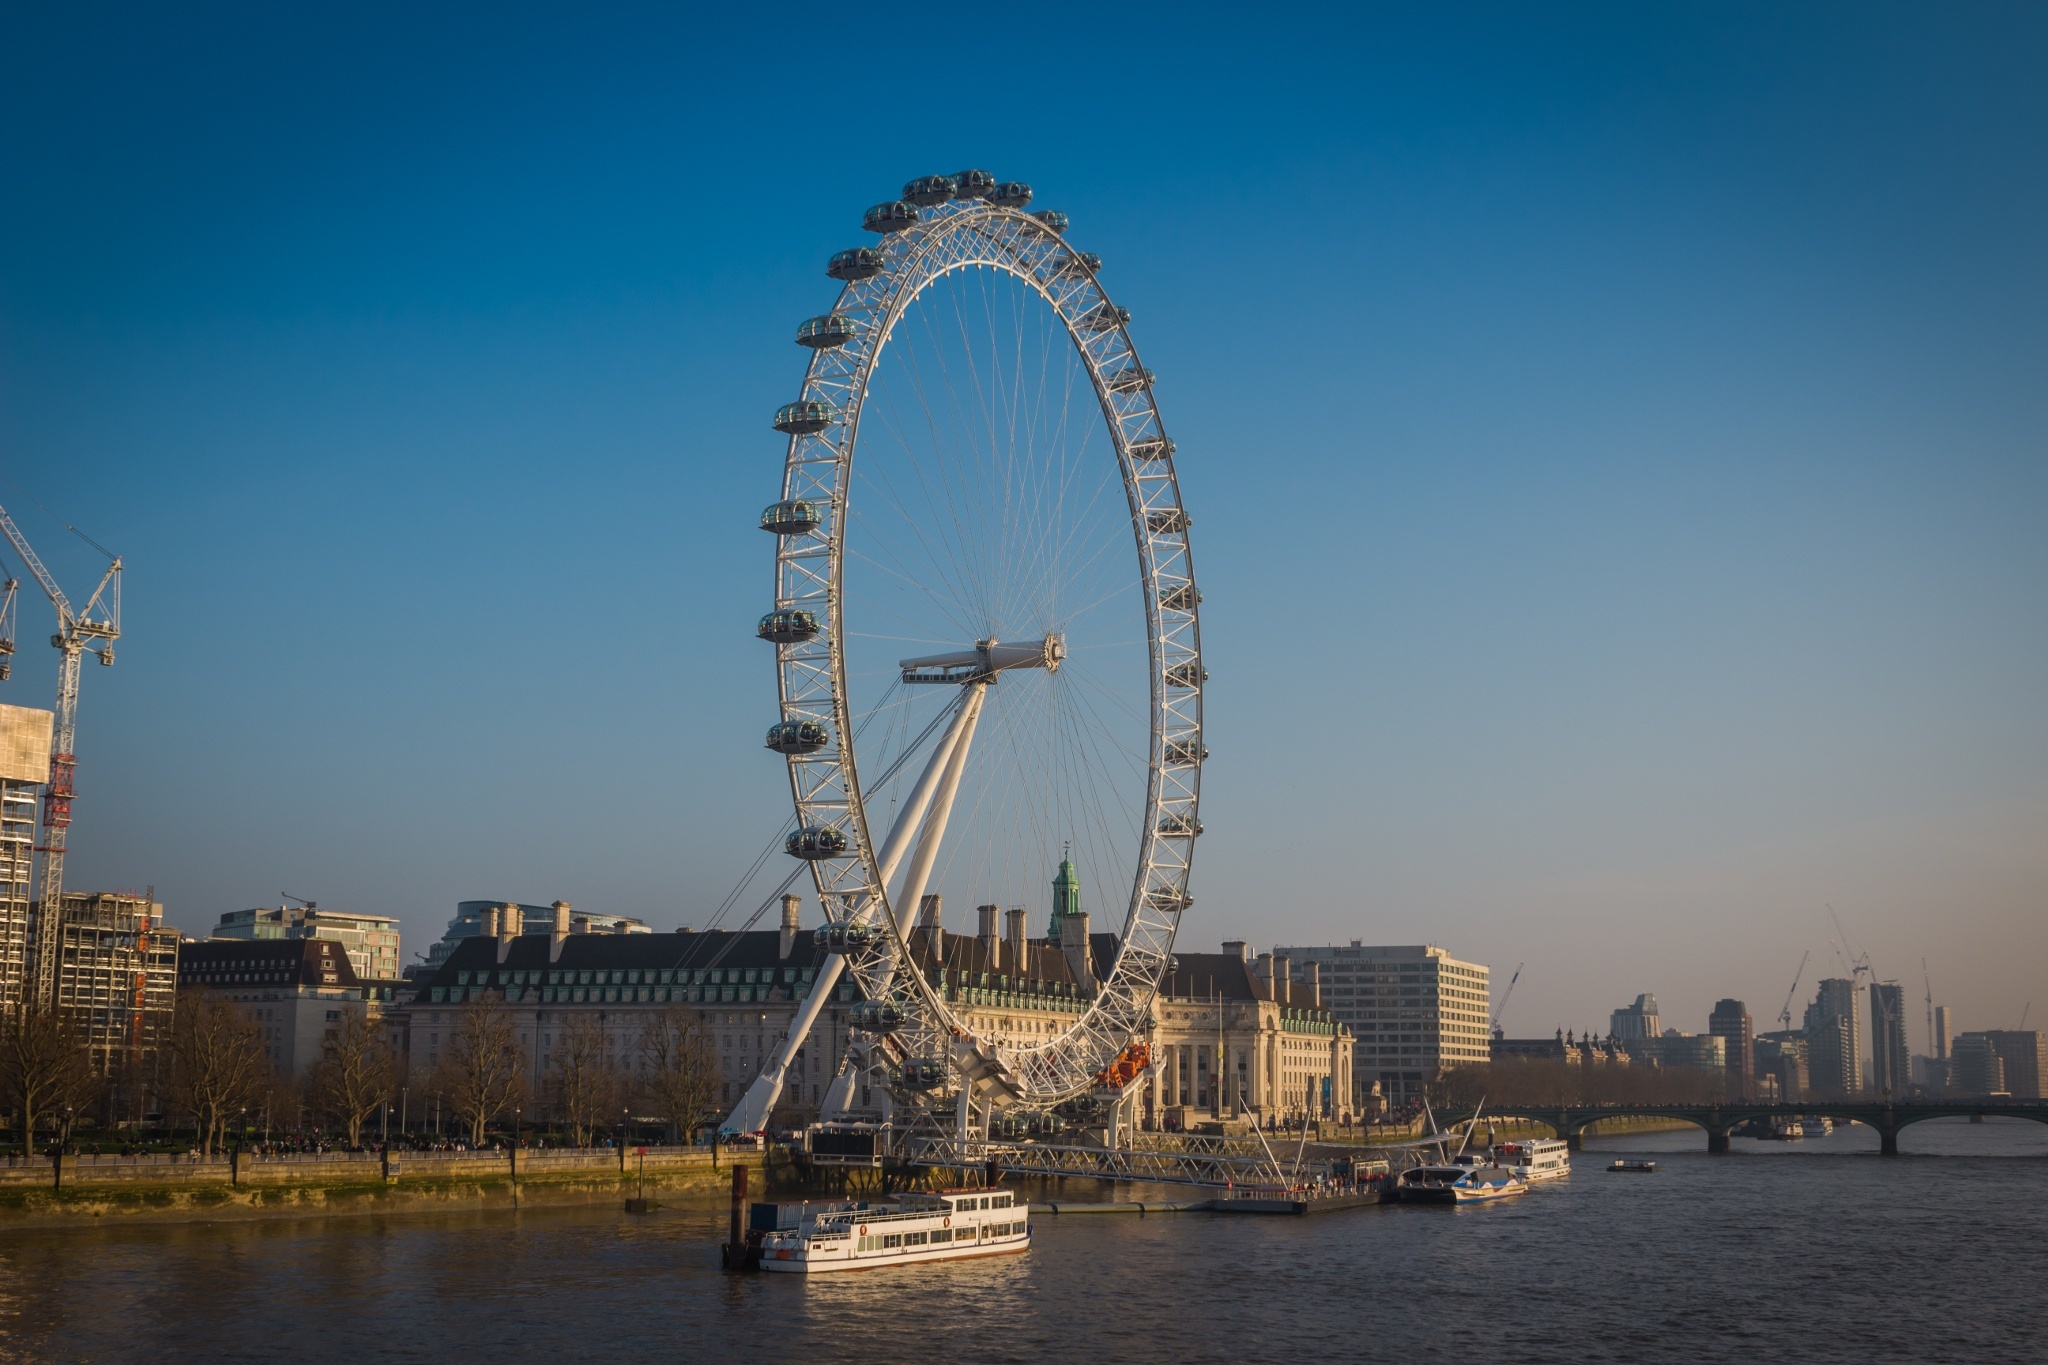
1615,441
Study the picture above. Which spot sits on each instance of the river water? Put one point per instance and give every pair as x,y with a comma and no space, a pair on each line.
1809,1252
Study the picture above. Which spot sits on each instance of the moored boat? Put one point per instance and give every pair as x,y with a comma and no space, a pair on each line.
1457,1184
939,1225
1535,1159
1637,1167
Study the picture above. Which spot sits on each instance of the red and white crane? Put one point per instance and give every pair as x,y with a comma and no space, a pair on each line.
91,629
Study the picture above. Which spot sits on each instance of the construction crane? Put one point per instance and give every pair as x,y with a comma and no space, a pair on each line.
1785,1014
7,592
1494,1027
1858,964
80,631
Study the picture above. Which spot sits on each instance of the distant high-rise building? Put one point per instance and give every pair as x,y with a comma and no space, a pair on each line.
1835,1065
1731,1023
1944,1029
371,941
1973,1066
1783,1056
2023,1059
24,767
1636,1022
116,977
1891,1063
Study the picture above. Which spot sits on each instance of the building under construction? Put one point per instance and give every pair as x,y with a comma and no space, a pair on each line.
116,976
24,764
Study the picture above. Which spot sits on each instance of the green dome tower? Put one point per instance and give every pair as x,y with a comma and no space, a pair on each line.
1066,896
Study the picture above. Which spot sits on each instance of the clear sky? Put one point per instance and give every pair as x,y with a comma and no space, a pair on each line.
1615,437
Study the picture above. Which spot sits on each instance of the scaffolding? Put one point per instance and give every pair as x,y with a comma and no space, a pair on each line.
117,978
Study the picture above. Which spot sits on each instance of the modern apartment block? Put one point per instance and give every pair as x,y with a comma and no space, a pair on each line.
1944,1031
1633,1023
1891,1061
1974,1067
1730,1022
371,941
1834,1028
116,976
24,765
2024,1060
1412,1010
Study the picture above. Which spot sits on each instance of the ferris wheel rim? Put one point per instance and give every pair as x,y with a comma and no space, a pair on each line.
824,431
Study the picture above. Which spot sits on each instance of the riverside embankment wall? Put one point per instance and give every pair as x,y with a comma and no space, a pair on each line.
33,1191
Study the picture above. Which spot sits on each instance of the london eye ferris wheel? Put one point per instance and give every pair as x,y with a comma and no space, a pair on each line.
986,628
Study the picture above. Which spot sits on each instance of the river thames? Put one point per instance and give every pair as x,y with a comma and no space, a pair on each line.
1813,1251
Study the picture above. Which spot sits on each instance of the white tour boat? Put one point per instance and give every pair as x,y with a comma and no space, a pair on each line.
942,1225
1457,1184
1539,1159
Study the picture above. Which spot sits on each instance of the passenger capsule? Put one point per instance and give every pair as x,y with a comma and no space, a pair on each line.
1011,194
813,843
1129,379
798,736
1186,753
1170,898
1189,674
829,330
927,191
805,417
1078,264
1152,448
973,185
1167,521
861,263
787,626
1185,597
924,1073
1054,220
1104,316
793,518
893,216
844,938
876,1016
1177,826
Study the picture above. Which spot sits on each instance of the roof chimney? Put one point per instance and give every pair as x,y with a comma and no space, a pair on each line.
490,921
509,925
1074,943
561,931
1019,951
1238,948
1283,978
990,935
931,918
1312,983
792,909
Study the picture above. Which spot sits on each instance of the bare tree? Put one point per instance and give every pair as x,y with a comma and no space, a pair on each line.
581,1084
675,1053
483,1070
217,1063
355,1072
44,1069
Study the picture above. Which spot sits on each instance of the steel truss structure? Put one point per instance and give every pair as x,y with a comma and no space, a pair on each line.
852,871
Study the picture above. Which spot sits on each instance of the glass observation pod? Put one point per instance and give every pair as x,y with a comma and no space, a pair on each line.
973,185
787,626
1186,597
1152,448
876,1016
1168,520
1129,379
798,736
814,842
844,938
1011,194
1080,263
1104,316
805,417
1054,220
1176,826
924,1073
893,216
826,331
1187,675
793,518
1170,898
1186,753
858,263
928,191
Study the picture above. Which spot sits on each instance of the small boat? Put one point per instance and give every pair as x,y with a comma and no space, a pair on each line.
940,1225
1643,1167
1457,1184
1536,1159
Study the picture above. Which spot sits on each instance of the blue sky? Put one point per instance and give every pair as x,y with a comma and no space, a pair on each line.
1615,438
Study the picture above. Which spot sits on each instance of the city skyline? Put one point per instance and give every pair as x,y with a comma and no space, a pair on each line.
1677,407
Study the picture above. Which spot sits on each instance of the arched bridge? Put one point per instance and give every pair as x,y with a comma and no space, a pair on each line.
1570,1121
